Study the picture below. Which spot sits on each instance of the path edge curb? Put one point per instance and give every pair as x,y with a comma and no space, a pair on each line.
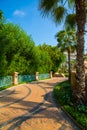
62,108
81,127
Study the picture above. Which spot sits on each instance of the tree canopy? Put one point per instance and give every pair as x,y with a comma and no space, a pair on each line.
18,52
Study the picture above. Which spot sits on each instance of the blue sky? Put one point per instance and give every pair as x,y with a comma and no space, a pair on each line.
26,14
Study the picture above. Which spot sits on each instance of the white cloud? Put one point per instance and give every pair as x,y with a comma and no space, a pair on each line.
19,13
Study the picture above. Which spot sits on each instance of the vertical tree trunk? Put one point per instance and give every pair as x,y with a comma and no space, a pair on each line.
69,65
80,93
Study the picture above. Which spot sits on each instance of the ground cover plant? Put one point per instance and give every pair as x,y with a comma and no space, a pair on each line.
63,96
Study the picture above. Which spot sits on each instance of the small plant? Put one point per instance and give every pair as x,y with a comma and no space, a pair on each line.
82,109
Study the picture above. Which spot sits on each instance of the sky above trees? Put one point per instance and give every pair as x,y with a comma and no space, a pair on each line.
27,15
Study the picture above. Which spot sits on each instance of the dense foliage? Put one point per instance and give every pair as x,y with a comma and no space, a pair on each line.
18,52
63,95
56,56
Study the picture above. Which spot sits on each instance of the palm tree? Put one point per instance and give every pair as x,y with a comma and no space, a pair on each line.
67,42
58,10
80,94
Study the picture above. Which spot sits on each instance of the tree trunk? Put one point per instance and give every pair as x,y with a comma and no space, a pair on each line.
80,93
69,65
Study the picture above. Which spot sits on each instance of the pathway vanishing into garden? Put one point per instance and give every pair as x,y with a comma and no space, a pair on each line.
32,107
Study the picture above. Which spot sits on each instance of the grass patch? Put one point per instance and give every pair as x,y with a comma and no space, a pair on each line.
5,87
63,96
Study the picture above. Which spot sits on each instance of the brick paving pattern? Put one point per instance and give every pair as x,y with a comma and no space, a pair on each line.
32,107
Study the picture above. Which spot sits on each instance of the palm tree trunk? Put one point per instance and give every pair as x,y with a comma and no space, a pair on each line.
69,65
80,93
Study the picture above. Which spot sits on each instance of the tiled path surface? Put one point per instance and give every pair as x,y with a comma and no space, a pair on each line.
31,107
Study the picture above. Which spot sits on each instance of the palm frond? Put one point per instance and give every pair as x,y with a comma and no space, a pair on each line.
71,3
59,13
46,6
70,20
58,34
66,40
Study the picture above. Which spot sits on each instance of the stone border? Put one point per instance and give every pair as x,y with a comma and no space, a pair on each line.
62,108
73,119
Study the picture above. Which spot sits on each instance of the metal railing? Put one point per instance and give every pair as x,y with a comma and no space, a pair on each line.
25,78
9,80
43,76
6,81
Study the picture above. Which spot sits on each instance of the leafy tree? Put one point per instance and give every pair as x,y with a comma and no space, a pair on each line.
58,10
45,62
67,42
17,51
56,57
2,20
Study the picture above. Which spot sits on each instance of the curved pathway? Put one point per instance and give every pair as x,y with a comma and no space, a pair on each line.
31,107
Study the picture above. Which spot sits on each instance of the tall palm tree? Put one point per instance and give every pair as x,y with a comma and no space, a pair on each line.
80,94
67,42
58,10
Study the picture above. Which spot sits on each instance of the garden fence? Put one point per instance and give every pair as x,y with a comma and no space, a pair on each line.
15,79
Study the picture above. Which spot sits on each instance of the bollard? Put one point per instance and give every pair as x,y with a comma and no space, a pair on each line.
36,76
15,78
51,74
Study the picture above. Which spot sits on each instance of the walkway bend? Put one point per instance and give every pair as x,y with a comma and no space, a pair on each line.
31,107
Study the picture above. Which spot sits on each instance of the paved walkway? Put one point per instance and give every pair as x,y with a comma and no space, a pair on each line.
31,107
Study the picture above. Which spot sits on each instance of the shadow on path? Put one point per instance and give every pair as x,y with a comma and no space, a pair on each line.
44,109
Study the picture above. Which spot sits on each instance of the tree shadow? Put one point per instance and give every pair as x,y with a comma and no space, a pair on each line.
51,84
63,127
35,109
44,109
8,99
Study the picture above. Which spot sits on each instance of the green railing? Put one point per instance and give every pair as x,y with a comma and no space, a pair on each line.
6,81
25,78
43,76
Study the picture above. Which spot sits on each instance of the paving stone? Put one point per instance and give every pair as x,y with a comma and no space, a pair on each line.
31,107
